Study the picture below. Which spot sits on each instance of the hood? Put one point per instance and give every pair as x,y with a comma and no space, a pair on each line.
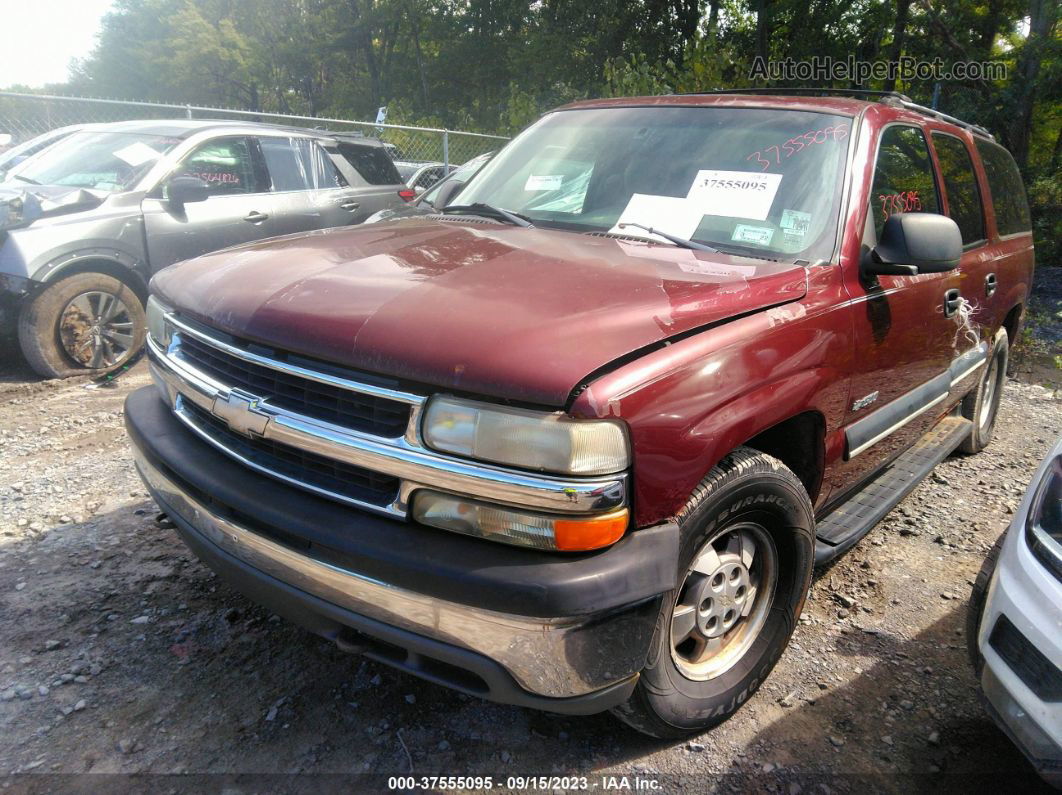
470,305
22,204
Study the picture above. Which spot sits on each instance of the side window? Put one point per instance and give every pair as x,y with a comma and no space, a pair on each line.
326,175
372,162
225,164
960,186
903,176
1008,192
288,162
429,177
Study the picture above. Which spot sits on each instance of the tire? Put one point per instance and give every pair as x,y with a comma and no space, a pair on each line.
753,498
59,333
982,404
976,609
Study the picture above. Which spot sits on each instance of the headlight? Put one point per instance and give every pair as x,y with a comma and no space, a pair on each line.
158,327
527,439
522,528
10,212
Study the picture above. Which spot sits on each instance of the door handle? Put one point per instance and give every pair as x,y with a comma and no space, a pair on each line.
952,302
990,284
255,217
350,206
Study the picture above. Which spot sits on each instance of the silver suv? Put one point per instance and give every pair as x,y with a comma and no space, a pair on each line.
86,222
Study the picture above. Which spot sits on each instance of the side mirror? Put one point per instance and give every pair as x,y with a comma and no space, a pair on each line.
185,190
913,243
446,192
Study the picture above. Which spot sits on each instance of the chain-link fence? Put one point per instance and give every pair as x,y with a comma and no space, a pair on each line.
25,116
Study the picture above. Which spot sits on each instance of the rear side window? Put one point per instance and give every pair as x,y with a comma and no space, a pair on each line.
288,161
960,186
1008,192
903,176
372,163
326,175
225,164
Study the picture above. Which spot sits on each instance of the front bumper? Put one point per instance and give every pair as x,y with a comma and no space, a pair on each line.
13,291
1024,605
555,632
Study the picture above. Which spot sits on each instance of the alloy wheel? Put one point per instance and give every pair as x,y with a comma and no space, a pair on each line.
96,329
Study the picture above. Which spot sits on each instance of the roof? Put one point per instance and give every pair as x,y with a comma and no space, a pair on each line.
183,128
844,105
840,101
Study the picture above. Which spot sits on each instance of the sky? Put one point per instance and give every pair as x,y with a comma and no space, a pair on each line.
39,37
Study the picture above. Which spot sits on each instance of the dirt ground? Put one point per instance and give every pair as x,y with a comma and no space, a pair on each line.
121,654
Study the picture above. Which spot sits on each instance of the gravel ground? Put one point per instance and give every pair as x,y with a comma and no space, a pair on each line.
121,654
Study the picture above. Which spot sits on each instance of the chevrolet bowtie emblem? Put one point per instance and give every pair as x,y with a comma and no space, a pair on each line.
241,412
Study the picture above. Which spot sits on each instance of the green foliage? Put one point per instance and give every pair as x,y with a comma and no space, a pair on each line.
496,65
1045,201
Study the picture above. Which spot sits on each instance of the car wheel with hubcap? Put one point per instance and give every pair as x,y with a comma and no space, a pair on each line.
982,404
745,564
87,324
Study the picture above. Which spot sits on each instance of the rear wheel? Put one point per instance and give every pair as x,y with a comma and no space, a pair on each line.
86,324
745,566
982,405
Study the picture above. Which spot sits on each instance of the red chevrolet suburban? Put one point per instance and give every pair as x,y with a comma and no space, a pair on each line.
577,441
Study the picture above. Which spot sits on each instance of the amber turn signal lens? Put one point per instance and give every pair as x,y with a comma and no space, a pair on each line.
523,528
582,534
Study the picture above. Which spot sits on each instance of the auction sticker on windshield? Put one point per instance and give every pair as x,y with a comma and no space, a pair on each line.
734,194
760,235
671,214
544,182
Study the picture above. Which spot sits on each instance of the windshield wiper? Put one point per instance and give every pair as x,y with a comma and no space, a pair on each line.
479,208
25,179
678,241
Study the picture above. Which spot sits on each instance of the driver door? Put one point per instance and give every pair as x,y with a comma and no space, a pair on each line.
238,210
905,336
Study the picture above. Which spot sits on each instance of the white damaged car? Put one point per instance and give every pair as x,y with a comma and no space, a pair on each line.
1014,627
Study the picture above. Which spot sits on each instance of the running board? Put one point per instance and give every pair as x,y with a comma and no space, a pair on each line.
842,527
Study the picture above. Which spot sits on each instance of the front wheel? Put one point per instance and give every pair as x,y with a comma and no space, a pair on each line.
745,566
86,324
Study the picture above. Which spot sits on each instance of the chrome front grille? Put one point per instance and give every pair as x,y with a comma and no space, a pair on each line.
369,413
324,474
351,439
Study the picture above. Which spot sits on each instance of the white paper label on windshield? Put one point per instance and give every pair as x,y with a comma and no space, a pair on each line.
760,235
671,214
136,154
734,194
544,182
795,221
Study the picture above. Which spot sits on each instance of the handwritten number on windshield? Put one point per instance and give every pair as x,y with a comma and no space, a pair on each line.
773,155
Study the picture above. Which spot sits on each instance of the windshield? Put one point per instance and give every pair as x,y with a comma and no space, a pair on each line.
108,161
17,154
746,180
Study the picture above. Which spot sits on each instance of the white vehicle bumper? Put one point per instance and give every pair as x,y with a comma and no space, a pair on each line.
1021,642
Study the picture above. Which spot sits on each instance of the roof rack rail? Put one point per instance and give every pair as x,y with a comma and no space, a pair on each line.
842,92
896,98
936,114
